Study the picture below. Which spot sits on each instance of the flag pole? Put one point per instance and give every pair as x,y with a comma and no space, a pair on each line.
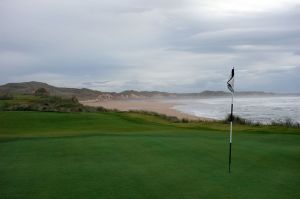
230,137
230,85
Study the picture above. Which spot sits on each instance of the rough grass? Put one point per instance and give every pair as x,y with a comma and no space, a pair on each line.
285,122
43,103
132,155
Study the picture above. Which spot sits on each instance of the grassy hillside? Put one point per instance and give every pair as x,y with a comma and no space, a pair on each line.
43,103
28,88
131,155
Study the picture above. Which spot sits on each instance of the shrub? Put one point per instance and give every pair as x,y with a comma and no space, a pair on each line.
75,100
288,122
42,92
237,119
185,120
101,109
6,96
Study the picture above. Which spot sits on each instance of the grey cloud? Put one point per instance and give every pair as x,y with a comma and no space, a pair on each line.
276,29
297,52
133,44
95,83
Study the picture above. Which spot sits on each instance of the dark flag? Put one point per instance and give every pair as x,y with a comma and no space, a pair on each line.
230,83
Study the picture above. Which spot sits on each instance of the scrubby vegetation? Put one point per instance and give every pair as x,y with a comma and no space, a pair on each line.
42,92
286,122
6,96
41,100
43,103
237,119
162,116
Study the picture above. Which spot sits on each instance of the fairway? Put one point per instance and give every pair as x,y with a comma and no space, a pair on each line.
129,155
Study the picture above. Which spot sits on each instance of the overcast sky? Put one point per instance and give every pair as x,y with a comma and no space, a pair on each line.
176,46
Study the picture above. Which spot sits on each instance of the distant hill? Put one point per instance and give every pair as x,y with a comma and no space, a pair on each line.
29,88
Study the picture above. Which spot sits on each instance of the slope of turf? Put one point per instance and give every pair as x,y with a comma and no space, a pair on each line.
122,155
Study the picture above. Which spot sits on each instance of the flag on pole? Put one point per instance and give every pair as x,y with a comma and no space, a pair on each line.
230,85
230,82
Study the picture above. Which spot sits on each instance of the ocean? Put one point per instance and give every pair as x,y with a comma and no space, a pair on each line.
256,109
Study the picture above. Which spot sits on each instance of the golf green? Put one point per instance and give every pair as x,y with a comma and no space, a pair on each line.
121,155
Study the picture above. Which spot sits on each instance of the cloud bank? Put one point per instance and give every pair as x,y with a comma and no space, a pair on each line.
176,46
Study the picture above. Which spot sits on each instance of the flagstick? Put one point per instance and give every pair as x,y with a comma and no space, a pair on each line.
230,139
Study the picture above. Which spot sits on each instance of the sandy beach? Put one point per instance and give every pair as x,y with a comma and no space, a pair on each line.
158,106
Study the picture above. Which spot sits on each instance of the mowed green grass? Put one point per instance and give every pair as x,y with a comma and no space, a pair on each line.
129,155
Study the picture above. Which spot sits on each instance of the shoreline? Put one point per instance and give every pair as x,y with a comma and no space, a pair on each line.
158,106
